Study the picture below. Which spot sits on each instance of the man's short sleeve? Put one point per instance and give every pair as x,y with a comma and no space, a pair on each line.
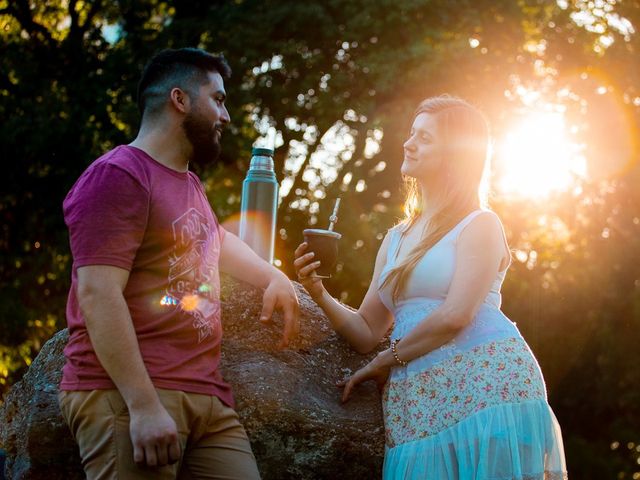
106,212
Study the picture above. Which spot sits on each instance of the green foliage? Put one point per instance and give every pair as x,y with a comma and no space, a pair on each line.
352,71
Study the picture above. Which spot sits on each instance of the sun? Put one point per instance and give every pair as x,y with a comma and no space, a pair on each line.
535,157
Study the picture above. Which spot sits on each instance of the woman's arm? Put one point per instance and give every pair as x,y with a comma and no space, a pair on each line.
363,328
480,252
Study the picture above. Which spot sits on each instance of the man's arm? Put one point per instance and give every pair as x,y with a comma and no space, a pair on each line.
238,260
100,294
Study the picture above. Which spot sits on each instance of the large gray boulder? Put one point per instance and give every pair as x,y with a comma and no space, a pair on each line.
37,440
287,400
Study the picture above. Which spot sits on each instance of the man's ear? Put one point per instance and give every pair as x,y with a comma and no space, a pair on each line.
180,100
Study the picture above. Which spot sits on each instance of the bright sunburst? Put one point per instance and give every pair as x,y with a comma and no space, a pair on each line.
536,157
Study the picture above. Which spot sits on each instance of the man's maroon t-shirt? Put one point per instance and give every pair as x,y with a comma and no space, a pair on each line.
129,211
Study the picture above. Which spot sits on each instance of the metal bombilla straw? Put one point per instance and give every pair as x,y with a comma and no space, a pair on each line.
333,219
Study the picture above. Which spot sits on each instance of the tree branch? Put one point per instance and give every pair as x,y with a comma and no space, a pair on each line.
74,27
298,182
282,154
358,152
95,7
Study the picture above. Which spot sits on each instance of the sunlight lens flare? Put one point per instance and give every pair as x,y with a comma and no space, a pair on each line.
189,302
536,158
168,300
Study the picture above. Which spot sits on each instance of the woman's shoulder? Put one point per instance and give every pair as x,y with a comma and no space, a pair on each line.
390,239
483,229
483,216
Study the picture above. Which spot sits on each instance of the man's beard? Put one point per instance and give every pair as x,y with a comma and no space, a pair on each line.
204,139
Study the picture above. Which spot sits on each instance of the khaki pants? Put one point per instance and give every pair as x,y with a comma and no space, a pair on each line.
214,443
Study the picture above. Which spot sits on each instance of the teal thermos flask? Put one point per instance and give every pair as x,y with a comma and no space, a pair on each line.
259,205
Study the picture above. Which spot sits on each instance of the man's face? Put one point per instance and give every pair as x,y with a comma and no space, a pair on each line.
204,122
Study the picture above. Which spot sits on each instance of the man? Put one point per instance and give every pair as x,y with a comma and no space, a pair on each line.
141,390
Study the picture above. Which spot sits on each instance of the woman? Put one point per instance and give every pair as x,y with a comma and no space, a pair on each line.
464,396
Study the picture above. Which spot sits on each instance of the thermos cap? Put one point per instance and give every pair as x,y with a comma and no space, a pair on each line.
262,151
261,159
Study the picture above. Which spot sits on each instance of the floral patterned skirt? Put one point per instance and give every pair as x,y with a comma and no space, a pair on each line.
480,414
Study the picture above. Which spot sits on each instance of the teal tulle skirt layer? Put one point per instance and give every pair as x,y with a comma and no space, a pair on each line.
520,441
474,409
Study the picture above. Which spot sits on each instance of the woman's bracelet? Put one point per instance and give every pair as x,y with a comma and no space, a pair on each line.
394,351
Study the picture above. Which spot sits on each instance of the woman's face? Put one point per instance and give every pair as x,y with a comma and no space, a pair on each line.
421,158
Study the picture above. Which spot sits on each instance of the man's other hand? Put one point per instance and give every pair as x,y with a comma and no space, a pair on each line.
281,295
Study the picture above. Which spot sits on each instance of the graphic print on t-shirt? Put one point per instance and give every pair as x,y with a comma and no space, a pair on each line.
193,280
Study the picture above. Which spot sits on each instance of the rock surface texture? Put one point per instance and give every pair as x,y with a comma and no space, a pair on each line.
287,400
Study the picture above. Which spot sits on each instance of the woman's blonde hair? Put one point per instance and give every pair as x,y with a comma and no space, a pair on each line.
462,142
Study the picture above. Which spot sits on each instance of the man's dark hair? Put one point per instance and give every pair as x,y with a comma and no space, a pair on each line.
186,68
